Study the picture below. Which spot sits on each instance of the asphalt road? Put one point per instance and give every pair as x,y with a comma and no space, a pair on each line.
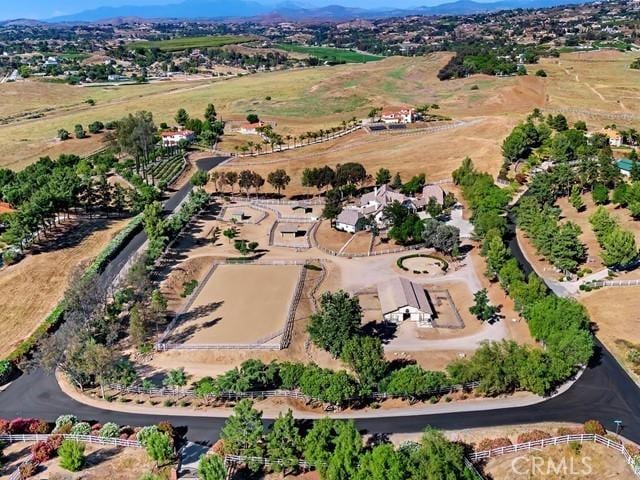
604,392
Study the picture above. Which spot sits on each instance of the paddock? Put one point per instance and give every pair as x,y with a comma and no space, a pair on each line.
238,305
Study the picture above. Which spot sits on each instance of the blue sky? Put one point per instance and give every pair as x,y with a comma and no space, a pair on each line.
41,9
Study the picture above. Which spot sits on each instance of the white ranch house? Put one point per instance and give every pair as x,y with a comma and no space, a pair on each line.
351,219
172,139
401,115
401,300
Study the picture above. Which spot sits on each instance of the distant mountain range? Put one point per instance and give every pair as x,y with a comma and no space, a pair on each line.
237,9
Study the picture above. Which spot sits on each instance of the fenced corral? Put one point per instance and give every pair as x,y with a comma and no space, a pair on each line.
223,216
633,461
293,233
218,315
37,437
442,296
383,129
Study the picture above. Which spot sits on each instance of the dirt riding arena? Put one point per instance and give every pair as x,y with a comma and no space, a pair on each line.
291,234
238,305
242,213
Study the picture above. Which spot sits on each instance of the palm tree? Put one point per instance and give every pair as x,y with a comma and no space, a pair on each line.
258,148
288,137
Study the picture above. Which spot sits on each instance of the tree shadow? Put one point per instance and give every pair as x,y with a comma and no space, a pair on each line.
385,331
102,455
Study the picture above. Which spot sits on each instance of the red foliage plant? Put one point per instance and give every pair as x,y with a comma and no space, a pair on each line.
4,426
42,452
55,441
532,436
491,443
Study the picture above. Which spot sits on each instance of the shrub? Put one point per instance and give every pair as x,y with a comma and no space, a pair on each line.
109,430
71,454
575,447
65,420
159,447
4,426
532,436
27,425
81,428
11,257
491,443
144,433
562,431
594,427
42,452
55,441
27,470
167,428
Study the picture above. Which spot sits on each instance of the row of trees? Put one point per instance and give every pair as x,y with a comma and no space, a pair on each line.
336,449
619,247
47,190
248,179
561,324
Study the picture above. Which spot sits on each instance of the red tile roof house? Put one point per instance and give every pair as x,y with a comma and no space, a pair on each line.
251,128
172,139
397,115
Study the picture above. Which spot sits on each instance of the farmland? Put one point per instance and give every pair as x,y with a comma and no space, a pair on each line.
184,43
329,54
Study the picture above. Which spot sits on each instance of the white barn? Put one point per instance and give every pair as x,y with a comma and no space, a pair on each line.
402,299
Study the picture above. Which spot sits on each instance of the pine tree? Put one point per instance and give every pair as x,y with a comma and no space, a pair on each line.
243,433
211,467
497,255
396,183
343,464
284,443
482,309
576,199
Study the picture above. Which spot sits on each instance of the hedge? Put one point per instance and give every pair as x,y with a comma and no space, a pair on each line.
97,266
444,266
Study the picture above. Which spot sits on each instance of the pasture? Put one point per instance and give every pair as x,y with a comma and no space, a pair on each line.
329,54
239,304
184,43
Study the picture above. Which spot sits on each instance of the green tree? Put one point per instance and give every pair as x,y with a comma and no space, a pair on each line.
497,255
576,199
381,463
182,117
175,378
619,248
383,176
284,443
63,134
159,447
337,320
343,464
71,454
396,183
211,467
230,233
319,443
243,432
199,179
634,173
278,179
253,118
481,308
365,356
79,131
603,223
600,194
510,273
210,114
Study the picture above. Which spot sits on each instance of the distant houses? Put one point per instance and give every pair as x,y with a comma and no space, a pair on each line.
402,300
615,138
353,217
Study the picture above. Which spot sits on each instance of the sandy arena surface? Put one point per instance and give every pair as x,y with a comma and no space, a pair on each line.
239,304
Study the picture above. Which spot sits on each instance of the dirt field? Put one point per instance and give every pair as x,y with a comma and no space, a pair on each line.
33,287
593,462
239,304
612,310
102,462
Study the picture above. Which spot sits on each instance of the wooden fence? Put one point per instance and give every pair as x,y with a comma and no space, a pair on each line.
293,308
613,283
633,461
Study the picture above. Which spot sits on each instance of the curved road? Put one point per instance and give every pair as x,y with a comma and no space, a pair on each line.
604,392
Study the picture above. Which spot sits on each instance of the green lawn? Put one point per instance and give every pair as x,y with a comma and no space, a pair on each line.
329,54
183,43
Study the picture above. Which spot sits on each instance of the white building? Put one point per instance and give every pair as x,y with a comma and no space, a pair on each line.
402,299
172,139
251,128
397,115
51,62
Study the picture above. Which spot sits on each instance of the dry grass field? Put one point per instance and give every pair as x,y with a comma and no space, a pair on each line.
239,304
593,462
33,287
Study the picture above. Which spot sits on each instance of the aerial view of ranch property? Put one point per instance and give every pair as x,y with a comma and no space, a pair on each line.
245,240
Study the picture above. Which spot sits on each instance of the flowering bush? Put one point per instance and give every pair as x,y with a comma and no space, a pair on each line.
55,441
4,426
81,428
27,425
594,427
42,452
532,436
109,430
65,422
27,470
491,443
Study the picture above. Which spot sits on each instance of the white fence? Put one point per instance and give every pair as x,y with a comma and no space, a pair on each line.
613,283
634,462
36,437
